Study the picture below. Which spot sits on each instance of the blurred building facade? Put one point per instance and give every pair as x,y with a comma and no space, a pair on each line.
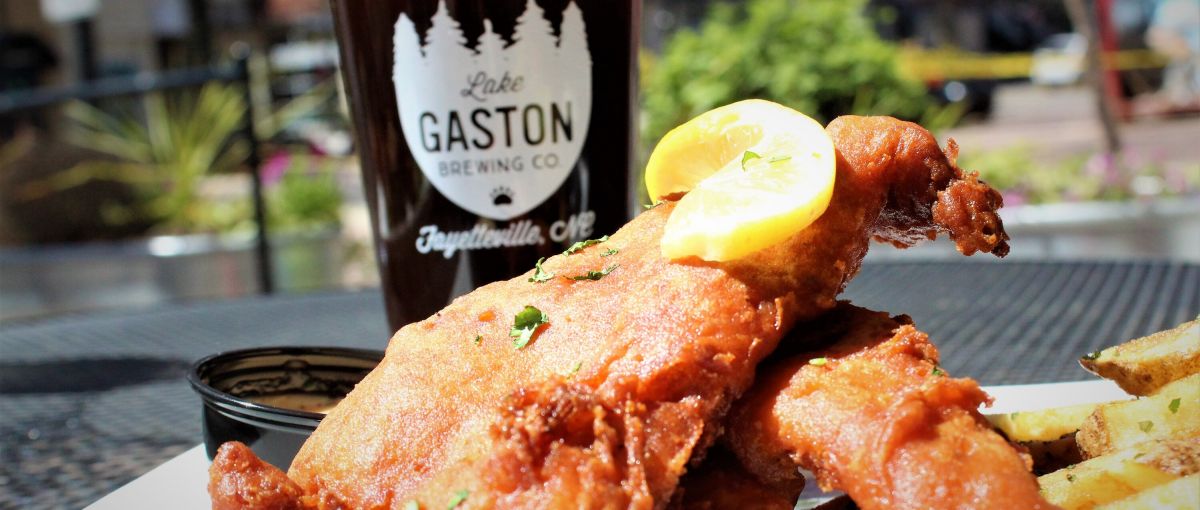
128,36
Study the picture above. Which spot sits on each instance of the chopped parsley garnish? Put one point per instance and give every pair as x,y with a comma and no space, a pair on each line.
747,157
540,275
937,371
412,505
525,324
1091,355
579,245
818,361
478,339
1145,425
1174,406
610,252
593,275
459,497
577,366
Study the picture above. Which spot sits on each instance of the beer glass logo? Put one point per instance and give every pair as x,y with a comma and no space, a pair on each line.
496,126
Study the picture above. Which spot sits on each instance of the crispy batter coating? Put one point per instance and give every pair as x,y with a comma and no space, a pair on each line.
874,416
238,479
629,378
720,482
927,192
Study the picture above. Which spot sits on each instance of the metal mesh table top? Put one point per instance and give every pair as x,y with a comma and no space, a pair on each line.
1029,322
89,402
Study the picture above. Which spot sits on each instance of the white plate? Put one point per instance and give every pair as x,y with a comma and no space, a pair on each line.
181,482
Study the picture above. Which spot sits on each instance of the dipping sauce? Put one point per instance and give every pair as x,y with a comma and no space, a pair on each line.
273,398
299,401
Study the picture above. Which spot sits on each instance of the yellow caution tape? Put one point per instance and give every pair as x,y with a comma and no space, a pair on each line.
949,64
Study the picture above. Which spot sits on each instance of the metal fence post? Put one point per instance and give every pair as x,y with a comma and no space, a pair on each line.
266,279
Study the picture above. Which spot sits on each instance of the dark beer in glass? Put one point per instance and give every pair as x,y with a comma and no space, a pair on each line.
490,132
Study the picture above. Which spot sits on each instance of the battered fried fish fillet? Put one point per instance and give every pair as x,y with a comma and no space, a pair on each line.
238,479
721,483
874,416
630,375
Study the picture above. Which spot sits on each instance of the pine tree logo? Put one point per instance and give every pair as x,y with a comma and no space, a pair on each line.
490,115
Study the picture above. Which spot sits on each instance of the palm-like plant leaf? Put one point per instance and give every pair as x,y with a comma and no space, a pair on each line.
167,148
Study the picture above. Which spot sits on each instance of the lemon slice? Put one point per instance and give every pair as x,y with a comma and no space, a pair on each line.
755,173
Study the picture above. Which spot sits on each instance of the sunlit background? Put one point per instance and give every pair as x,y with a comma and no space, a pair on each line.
1084,112
178,178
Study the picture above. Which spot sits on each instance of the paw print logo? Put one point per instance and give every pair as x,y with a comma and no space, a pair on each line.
502,195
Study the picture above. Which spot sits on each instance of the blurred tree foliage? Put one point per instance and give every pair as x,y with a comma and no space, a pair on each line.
821,57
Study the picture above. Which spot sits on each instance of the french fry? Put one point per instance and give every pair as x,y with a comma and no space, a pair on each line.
1121,474
1174,411
1047,434
1180,494
1142,366
1142,453
1042,424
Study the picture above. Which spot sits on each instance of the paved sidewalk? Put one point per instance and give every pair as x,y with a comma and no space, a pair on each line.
1057,123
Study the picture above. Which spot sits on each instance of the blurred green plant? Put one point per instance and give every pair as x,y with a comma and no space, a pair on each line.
161,154
306,196
821,57
1024,178
166,149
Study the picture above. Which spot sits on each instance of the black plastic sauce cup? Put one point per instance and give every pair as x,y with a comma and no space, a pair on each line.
228,381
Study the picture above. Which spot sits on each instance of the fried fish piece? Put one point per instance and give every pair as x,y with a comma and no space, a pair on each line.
719,482
874,416
238,479
629,375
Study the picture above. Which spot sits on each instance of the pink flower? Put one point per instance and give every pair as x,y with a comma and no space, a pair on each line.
1012,198
274,168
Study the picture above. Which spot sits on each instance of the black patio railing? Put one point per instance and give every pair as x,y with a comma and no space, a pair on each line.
238,71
